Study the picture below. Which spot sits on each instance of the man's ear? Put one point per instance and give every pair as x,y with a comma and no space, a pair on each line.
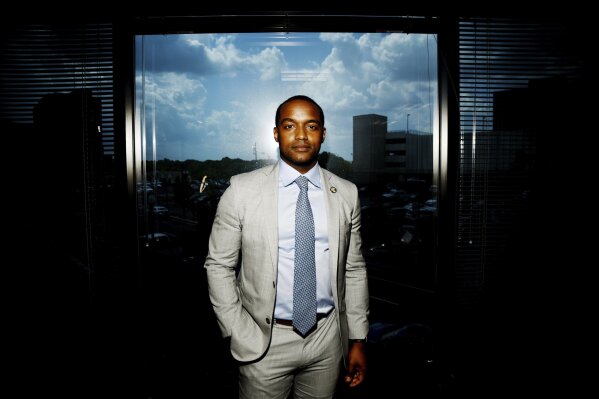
324,133
275,132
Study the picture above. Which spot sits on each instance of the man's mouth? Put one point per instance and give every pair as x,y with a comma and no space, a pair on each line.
301,148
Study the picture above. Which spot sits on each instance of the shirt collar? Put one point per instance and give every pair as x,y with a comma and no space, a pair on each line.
287,174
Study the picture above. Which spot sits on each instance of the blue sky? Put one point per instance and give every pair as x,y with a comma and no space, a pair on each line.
207,96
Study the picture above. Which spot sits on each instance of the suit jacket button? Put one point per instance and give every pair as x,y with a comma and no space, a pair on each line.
267,320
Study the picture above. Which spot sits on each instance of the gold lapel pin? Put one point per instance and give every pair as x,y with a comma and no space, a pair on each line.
333,189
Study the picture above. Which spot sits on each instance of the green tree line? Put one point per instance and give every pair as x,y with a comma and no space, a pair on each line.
227,167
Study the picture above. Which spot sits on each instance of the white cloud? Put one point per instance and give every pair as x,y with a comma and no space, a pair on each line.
178,91
269,63
223,54
175,102
198,40
375,73
369,73
337,37
189,127
229,135
388,93
205,55
176,95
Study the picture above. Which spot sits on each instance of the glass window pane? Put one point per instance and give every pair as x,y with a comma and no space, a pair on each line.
206,110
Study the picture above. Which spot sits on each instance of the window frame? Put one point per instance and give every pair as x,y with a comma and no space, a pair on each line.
446,123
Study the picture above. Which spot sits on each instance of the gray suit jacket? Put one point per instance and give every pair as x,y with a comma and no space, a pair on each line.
246,222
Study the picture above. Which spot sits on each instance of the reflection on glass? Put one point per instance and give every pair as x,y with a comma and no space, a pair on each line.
205,111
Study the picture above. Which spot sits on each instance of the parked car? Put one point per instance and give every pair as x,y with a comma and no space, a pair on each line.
162,243
157,238
160,210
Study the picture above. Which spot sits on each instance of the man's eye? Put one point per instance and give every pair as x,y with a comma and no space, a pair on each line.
288,126
313,127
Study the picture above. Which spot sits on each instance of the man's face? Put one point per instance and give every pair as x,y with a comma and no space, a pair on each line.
299,133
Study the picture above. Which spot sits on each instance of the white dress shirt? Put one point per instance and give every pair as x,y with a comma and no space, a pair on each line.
288,193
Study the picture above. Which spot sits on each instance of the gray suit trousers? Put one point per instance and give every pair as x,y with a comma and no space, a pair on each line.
309,366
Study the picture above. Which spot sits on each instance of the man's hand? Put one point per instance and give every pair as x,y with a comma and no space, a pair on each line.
356,364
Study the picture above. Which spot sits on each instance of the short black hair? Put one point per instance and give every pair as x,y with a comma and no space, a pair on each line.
300,97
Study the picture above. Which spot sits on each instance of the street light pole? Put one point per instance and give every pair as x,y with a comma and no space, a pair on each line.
408,124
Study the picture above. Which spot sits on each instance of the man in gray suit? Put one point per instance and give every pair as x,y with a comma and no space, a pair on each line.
297,307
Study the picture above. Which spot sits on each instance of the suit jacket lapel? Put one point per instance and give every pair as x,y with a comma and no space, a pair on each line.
332,207
270,195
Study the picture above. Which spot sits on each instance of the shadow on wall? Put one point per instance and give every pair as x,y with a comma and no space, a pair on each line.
69,147
56,196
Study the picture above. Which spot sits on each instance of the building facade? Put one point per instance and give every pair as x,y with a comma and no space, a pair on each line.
385,156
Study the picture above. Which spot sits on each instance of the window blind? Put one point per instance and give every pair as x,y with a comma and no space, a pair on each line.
510,71
42,59
57,116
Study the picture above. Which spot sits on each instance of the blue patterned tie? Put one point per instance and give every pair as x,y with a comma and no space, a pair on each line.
304,276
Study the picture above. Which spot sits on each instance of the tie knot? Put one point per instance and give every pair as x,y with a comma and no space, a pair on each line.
302,182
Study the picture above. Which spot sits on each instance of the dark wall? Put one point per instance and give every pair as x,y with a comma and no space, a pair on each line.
75,303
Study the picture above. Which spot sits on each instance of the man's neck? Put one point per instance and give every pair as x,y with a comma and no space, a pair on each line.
303,169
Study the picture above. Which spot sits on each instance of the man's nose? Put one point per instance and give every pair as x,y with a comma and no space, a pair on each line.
301,133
